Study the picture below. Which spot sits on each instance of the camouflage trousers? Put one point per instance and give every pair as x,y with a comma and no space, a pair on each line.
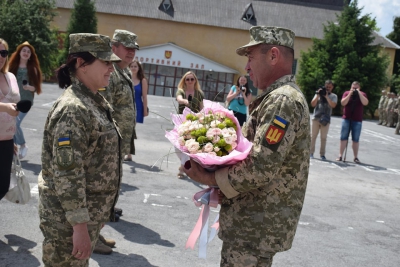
57,244
381,115
232,256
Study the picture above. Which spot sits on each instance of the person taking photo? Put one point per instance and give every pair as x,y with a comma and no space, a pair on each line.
323,103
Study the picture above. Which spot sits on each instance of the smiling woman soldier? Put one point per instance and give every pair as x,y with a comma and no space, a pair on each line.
81,170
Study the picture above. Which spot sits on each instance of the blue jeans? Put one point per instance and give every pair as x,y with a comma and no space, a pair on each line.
19,134
355,130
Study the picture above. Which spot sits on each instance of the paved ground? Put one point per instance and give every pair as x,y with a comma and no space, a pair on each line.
350,217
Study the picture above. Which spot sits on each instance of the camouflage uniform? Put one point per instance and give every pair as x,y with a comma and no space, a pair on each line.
390,104
265,192
385,113
81,169
395,110
120,94
380,107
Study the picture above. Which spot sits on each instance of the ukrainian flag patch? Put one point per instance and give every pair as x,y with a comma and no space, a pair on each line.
280,122
64,141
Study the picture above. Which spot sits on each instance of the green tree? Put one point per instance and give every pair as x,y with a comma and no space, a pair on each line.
346,54
83,19
395,37
30,21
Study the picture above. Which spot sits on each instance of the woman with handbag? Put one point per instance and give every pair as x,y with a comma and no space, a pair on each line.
239,99
24,64
9,96
81,155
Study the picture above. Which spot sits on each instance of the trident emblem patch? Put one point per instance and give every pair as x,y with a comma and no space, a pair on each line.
274,135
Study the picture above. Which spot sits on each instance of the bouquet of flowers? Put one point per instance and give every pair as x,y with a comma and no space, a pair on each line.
211,137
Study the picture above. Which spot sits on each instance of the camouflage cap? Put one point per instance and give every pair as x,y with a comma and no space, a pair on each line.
268,35
127,39
96,44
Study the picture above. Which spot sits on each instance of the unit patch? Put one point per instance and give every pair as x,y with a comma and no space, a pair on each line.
275,132
65,157
65,153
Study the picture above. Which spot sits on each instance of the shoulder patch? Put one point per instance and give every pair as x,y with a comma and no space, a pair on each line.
64,141
275,132
65,157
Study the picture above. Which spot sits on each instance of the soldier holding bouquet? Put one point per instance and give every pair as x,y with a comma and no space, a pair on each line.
262,196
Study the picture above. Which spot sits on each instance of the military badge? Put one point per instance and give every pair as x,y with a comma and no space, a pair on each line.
65,153
275,132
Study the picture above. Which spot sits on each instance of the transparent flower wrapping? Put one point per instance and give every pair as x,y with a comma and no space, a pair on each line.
209,137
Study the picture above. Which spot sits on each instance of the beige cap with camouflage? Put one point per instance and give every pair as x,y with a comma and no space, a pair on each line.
126,38
96,44
268,35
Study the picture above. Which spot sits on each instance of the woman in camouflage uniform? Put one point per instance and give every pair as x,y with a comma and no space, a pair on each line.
81,159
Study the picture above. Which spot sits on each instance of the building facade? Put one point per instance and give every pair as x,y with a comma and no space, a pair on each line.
202,35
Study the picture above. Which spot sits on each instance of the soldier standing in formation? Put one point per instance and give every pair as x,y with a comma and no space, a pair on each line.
81,167
389,110
253,230
120,94
380,107
384,107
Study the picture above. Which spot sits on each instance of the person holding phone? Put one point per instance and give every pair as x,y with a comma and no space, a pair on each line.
239,99
24,64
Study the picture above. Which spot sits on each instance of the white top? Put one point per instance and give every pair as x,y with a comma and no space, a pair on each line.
8,122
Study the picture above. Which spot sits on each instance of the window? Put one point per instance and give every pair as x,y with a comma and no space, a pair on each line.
166,5
248,13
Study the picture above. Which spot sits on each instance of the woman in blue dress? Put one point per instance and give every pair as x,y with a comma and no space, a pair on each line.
141,87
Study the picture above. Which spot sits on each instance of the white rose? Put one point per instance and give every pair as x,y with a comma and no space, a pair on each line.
208,147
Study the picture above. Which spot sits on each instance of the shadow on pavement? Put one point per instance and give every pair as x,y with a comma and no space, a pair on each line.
349,163
35,168
22,256
127,188
119,259
137,233
135,165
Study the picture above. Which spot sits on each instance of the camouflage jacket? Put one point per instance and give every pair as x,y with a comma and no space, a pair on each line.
265,192
120,94
81,159
381,101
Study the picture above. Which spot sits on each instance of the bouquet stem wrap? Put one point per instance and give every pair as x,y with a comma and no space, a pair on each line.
201,227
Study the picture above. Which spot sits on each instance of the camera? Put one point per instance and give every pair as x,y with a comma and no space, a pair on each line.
355,95
322,92
24,82
242,88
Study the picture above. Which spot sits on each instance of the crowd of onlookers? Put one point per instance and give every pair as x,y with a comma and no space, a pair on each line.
389,111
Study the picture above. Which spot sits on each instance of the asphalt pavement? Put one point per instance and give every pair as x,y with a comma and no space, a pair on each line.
350,216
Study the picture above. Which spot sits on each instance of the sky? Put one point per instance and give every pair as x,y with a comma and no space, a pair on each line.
383,11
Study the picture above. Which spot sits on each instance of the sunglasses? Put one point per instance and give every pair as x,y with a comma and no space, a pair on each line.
4,53
189,79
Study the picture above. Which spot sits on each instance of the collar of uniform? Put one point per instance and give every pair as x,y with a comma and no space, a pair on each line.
98,98
278,83
123,72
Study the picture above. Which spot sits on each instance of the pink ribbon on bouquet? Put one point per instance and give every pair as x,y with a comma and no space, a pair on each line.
200,229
